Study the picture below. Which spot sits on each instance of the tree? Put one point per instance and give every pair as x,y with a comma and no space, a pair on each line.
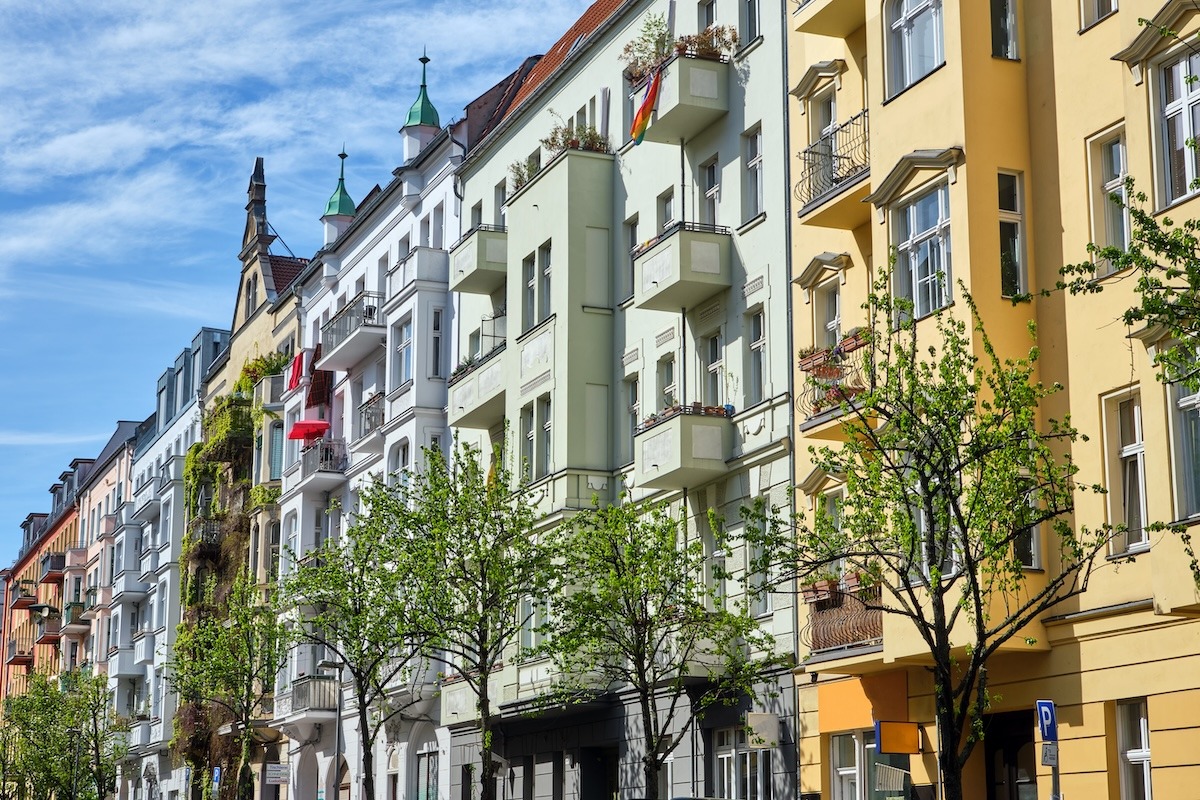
471,548
363,610
640,614
1163,260
230,660
38,720
952,476
100,731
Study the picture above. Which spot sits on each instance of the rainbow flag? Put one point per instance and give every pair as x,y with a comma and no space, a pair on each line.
641,120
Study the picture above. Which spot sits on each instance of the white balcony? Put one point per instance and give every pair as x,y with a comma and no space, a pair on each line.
682,267
420,264
128,586
146,499
143,648
477,389
311,698
148,564
684,449
694,94
122,665
323,465
356,332
480,260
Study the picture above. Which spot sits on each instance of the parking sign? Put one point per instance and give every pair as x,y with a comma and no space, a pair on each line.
1047,720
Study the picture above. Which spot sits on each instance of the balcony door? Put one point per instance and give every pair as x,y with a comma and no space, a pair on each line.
823,122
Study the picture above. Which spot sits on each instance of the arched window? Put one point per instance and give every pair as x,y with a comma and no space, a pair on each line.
915,41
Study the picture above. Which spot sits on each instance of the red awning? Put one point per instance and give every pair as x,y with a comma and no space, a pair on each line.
308,429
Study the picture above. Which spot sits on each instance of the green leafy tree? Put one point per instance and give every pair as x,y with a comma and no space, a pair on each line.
230,659
38,720
473,553
953,476
1163,262
101,740
641,613
364,611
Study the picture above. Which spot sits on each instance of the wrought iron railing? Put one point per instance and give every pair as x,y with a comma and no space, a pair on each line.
844,619
668,232
308,693
364,309
477,229
835,377
673,411
836,159
325,455
370,416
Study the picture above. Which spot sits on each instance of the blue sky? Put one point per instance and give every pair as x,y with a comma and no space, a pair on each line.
128,131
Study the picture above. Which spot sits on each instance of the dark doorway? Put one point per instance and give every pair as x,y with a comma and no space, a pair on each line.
598,773
1011,755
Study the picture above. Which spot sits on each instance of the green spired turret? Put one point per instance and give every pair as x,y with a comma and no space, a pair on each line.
340,204
422,111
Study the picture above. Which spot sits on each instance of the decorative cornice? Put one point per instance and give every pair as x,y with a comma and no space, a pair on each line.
893,183
1150,38
817,74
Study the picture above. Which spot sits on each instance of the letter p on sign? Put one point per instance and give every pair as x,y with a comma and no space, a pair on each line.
1047,720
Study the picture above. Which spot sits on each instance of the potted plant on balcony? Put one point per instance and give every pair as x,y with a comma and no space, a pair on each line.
811,357
820,587
648,50
854,339
715,41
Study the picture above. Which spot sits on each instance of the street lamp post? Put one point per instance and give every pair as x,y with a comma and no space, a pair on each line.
337,727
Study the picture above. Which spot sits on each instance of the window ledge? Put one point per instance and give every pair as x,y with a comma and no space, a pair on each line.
1097,21
917,82
1129,552
750,47
528,334
751,223
626,303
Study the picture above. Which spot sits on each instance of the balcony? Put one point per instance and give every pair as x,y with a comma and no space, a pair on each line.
694,94
421,263
108,527
313,697
139,735
268,392
53,566
842,620
20,652
128,586
205,533
480,260
323,465
683,448
370,425
477,390
73,622
837,18
228,427
833,177
356,332
835,378
143,647
148,564
145,499
48,630
682,267
121,663
172,472
24,594
77,558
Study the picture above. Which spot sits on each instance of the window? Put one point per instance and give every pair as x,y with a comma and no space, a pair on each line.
529,298
752,198
1027,544
476,215
1180,97
822,120
534,615
827,314
404,358
923,251
1012,242
1096,10
666,209
860,772
633,408
544,305
499,196
667,395
710,185
1133,743
631,239
545,425
1128,502
741,773
914,41
1004,28
435,344
750,21
275,456
1187,426
707,16
527,440
755,374
1113,227
427,773
712,355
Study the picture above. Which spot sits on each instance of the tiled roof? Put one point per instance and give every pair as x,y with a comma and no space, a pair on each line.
285,269
597,13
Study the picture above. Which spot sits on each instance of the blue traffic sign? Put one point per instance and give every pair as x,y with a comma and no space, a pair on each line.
216,776
1047,720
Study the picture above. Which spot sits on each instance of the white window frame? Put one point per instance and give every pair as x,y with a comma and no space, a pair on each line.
1128,462
735,763
1134,748
667,393
1182,107
529,305
1014,217
1187,414
756,357
545,308
712,360
753,191
903,69
1111,224
633,407
436,326
915,283
527,437
404,350
710,186
1004,29
751,21
1093,11
666,209
544,450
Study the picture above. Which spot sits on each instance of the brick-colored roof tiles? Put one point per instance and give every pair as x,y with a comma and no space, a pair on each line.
285,269
591,19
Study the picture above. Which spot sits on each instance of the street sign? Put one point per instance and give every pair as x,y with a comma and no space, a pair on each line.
1047,720
277,774
216,777
1050,754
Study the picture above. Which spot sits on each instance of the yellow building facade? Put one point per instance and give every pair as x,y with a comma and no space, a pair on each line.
981,140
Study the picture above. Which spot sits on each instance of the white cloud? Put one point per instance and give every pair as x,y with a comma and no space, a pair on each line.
48,438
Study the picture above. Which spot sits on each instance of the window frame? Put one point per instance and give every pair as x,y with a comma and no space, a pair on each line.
1184,106
753,197
712,361
404,351
904,218
1184,405
1133,748
900,16
1090,13
1107,183
827,327
756,357
1004,30
710,190
437,325
1014,217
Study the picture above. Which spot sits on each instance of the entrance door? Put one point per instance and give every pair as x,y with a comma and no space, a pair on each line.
598,773
1011,756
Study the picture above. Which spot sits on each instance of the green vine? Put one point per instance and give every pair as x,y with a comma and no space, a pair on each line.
264,495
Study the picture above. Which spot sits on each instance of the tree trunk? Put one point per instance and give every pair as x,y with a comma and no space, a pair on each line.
368,756
245,777
487,770
650,759
948,739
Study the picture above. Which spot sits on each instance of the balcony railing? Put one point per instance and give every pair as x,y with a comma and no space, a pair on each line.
493,335
269,390
308,693
843,619
326,455
836,160
362,310
370,416
20,651
23,594
206,531
673,411
53,565
835,376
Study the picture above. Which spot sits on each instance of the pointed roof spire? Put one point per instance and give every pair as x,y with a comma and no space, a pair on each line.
422,111
340,203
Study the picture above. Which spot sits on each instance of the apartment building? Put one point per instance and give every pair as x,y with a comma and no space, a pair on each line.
621,328
151,599
981,141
